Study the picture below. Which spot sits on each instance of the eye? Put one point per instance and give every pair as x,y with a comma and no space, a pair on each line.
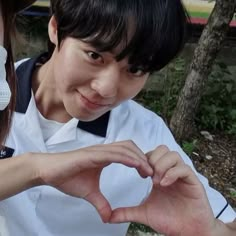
95,56
136,71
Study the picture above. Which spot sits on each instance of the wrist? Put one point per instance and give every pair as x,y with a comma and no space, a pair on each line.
221,228
20,173
212,227
32,165
39,163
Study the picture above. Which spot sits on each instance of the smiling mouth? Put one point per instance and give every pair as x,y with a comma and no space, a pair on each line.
91,104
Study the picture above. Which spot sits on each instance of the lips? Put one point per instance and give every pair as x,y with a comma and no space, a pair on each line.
92,104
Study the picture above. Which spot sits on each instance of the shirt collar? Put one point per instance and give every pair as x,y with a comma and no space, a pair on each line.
24,87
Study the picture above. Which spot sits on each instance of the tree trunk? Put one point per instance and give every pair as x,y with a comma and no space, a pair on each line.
210,43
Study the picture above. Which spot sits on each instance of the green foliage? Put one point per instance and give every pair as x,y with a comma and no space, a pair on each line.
233,193
135,227
33,26
190,147
217,109
173,83
171,80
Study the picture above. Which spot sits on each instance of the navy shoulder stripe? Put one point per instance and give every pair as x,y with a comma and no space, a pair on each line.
227,204
23,87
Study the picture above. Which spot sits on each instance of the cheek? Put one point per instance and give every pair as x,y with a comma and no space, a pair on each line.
71,72
130,89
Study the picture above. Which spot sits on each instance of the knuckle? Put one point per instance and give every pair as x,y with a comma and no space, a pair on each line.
175,154
176,157
163,148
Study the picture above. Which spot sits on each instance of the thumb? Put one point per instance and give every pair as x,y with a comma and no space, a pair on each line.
128,214
101,204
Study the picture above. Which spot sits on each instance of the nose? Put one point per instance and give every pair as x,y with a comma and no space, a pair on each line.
106,83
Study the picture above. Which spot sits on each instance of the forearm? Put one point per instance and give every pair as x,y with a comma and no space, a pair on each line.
17,174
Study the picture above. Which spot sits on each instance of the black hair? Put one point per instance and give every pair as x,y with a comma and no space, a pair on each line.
152,32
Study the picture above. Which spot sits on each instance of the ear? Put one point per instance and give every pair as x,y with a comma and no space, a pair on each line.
52,30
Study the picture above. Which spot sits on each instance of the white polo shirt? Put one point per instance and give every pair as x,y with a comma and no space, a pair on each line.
45,211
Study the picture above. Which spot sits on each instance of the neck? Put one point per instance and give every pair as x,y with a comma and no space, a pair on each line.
47,97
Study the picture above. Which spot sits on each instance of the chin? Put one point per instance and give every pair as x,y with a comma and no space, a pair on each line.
87,118
85,115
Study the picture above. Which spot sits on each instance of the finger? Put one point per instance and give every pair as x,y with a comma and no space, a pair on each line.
156,154
126,155
128,147
101,204
118,148
166,162
105,159
143,168
128,214
132,146
102,155
183,172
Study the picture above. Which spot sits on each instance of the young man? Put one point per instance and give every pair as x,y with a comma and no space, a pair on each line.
34,169
80,95
64,171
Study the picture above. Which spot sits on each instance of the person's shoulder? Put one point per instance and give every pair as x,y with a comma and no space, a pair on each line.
131,111
131,121
140,111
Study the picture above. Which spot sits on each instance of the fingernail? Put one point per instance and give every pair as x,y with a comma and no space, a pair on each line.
164,181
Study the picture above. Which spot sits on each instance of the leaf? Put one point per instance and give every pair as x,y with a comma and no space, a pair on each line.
229,88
